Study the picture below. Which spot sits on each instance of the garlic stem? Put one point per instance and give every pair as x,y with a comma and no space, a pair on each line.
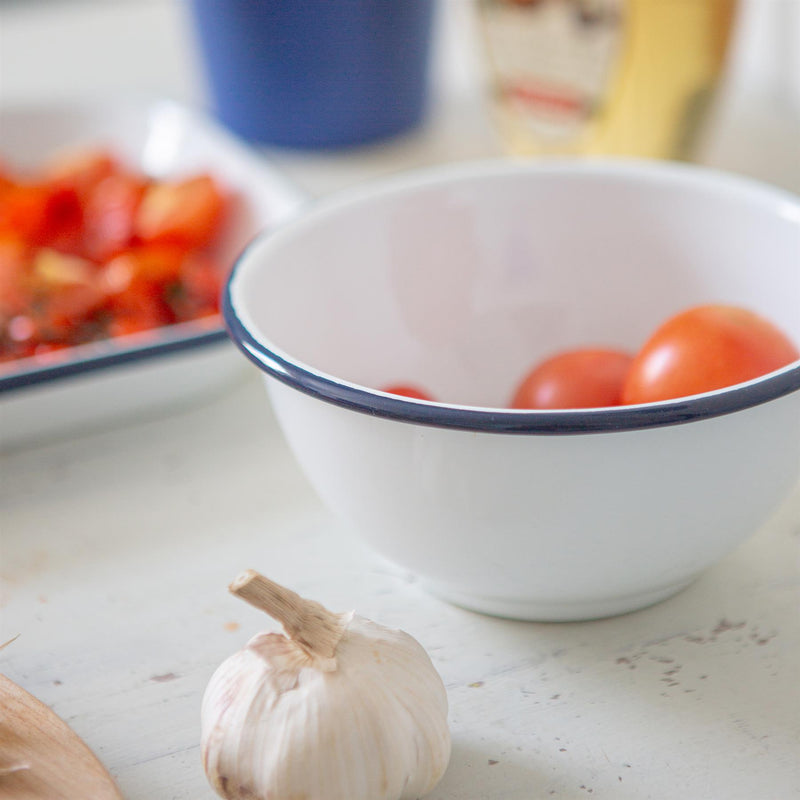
311,626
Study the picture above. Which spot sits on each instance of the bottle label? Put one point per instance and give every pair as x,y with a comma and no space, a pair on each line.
552,60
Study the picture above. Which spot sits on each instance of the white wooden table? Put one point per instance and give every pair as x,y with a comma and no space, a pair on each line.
116,547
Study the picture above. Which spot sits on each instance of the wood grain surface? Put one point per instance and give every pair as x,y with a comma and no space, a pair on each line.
41,756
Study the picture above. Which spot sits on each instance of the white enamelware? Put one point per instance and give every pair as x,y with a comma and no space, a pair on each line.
459,279
83,387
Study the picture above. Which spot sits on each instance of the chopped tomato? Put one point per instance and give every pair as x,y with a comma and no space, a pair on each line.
127,324
24,211
52,269
109,215
12,351
140,307
201,280
63,221
186,213
65,294
158,263
42,215
90,249
6,179
15,290
80,170
48,348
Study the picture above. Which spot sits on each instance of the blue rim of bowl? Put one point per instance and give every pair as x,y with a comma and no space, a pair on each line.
375,403
107,353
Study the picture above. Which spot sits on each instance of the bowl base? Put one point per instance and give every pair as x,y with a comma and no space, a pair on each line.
555,611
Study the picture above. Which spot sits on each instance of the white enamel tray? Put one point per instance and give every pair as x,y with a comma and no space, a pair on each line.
101,382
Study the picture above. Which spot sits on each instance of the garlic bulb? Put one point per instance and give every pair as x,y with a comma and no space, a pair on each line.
339,708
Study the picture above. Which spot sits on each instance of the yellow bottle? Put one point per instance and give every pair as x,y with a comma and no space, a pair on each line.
623,77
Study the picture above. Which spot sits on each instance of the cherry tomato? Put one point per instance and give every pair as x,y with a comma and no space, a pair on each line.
406,390
186,213
706,348
584,378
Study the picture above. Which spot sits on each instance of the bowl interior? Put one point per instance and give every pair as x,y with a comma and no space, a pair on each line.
461,279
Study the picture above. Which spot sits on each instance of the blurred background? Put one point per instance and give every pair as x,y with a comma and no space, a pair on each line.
53,50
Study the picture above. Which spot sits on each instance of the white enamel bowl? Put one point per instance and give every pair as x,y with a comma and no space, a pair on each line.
459,279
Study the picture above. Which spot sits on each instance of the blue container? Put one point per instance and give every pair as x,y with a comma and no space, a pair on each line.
316,73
